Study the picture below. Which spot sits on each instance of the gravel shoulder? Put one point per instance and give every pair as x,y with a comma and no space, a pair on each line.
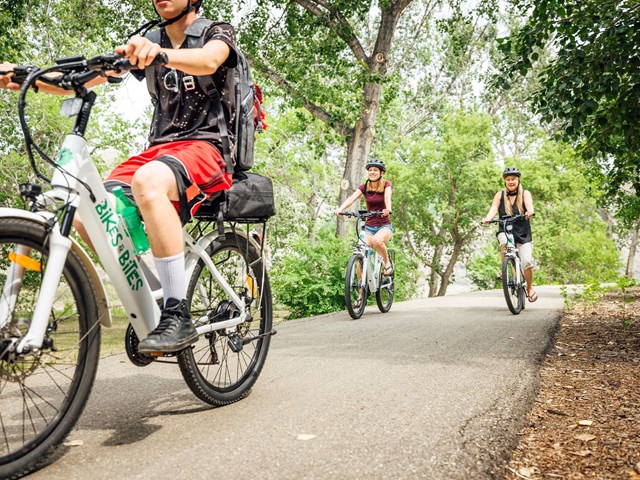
586,419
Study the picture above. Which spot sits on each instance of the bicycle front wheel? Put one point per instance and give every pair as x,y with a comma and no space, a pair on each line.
510,286
355,291
214,369
42,393
384,295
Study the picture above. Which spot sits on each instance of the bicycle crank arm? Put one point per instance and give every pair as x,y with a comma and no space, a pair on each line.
249,340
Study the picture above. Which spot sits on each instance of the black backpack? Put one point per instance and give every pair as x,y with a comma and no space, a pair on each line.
237,128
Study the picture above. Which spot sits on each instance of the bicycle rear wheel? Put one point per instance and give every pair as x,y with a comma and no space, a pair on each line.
42,393
510,286
355,291
214,372
384,295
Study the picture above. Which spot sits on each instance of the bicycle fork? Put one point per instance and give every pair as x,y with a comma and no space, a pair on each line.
59,246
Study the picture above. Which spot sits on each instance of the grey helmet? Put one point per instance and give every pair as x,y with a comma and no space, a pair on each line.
376,163
511,171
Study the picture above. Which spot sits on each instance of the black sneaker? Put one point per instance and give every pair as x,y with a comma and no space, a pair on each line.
174,332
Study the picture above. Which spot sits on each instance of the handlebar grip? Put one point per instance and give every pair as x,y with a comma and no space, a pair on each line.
20,73
125,64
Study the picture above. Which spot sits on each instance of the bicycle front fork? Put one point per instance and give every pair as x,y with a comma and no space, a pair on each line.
59,246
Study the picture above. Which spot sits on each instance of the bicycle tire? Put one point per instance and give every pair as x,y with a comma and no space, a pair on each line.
510,288
384,295
214,373
522,293
43,394
354,287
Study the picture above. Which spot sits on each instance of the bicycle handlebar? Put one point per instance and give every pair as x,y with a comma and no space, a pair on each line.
77,71
362,214
509,219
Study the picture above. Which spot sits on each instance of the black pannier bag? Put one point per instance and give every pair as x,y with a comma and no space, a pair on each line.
249,200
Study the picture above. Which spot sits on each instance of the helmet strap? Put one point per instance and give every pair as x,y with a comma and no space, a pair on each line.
163,23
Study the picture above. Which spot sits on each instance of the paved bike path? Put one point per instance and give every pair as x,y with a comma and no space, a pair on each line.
436,389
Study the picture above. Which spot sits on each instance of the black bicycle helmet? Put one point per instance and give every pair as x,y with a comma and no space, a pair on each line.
375,163
511,171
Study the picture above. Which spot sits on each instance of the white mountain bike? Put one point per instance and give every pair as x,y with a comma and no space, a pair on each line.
53,303
365,272
514,284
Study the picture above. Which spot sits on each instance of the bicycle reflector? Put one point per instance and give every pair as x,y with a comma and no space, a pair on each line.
25,262
252,286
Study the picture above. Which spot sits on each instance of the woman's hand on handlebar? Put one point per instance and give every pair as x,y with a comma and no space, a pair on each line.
140,51
6,77
386,212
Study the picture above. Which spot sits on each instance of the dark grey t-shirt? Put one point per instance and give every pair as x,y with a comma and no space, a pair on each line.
188,114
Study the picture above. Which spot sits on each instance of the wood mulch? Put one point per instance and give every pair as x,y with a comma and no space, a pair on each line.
586,420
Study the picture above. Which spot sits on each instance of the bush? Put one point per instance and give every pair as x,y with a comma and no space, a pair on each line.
484,266
309,279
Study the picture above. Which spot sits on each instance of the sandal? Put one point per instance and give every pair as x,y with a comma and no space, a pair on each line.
357,303
499,276
533,297
388,271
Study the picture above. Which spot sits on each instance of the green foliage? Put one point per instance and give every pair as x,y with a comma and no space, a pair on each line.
484,266
624,283
576,257
588,86
444,187
309,278
592,292
293,151
307,50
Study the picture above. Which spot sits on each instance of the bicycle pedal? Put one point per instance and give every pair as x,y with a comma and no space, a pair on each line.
235,343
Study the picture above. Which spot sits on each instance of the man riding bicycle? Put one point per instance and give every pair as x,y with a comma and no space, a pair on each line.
183,165
515,200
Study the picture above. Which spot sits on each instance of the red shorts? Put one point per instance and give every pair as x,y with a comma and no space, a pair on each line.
198,166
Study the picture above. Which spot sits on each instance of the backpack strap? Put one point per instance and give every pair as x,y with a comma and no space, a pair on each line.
195,39
150,72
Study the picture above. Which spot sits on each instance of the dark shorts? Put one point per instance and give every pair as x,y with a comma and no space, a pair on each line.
198,166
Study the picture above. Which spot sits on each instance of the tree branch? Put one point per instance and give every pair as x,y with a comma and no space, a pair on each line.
336,22
314,109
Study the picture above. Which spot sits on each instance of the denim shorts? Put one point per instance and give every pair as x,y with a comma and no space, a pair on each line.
374,230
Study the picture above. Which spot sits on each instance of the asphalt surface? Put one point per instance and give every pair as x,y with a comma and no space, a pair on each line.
434,389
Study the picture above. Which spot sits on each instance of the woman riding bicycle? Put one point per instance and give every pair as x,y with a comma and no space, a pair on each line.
515,200
377,195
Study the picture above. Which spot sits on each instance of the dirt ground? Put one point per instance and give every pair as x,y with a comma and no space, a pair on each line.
586,419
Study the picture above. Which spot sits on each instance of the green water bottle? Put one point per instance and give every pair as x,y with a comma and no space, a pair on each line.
129,213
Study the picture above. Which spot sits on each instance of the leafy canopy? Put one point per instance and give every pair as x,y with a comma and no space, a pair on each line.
588,85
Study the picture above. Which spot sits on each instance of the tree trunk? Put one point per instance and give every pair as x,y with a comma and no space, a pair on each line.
444,281
434,273
632,253
358,148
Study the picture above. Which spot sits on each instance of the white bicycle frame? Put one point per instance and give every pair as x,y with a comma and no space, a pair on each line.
512,251
113,246
371,263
